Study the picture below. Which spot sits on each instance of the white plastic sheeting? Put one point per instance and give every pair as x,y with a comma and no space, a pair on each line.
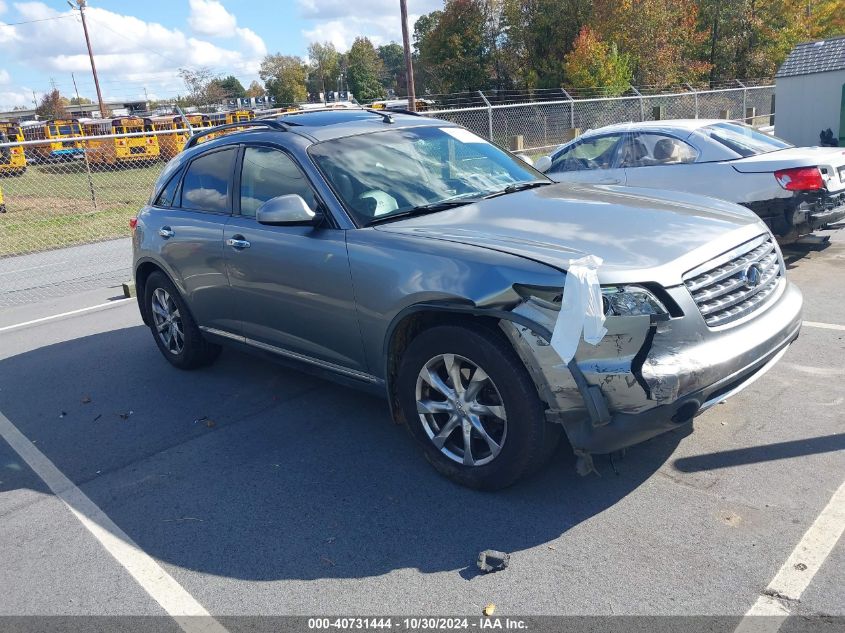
581,309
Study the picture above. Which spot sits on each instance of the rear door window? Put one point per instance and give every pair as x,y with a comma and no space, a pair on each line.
646,149
207,183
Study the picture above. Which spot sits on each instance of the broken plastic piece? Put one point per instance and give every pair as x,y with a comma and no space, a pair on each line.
490,560
581,309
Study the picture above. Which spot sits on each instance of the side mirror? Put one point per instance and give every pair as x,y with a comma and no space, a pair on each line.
543,163
286,210
525,158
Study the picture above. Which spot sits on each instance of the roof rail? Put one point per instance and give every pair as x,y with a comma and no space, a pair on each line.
276,125
384,114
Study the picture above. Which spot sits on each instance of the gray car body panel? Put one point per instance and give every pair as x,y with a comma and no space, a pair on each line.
643,378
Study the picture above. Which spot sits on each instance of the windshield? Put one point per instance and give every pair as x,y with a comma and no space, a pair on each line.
743,139
385,174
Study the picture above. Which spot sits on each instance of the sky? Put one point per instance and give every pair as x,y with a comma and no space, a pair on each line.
139,45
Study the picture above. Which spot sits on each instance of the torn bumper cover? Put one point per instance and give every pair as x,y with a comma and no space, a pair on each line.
644,377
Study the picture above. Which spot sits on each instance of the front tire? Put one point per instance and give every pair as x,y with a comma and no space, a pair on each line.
174,329
470,403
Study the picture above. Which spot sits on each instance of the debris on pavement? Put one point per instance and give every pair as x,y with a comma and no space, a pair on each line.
489,610
86,400
490,560
99,415
326,561
63,414
125,416
207,421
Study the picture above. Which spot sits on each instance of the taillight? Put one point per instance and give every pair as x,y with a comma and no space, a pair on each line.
800,179
133,222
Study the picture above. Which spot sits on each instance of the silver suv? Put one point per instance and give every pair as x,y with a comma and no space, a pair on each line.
494,309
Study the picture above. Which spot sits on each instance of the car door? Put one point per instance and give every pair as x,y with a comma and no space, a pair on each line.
592,160
191,213
663,161
291,284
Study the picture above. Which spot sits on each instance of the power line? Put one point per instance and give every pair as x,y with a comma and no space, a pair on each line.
57,17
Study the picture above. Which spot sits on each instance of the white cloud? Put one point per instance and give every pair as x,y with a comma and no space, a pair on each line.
210,17
4,76
2,6
341,21
130,53
12,98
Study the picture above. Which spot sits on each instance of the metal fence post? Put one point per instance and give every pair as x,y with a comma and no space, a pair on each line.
489,116
642,103
744,98
695,96
571,108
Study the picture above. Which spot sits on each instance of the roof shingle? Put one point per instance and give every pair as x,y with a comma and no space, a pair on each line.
814,57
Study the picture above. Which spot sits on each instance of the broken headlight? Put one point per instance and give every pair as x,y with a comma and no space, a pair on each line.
632,301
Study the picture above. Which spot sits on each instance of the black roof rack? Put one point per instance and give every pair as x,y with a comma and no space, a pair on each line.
276,125
382,113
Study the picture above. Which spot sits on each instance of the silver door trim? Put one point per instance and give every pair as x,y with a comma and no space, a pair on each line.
339,369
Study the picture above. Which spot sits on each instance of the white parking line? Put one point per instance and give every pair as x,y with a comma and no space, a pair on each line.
825,326
802,565
53,317
189,614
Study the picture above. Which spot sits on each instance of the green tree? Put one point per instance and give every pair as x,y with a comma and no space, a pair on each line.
393,74
451,46
231,87
79,101
284,77
593,63
203,87
52,106
363,69
325,64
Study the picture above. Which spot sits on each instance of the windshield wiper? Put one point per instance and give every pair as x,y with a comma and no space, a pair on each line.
423,209
519,186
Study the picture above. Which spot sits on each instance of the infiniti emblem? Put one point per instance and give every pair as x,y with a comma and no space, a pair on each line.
752,276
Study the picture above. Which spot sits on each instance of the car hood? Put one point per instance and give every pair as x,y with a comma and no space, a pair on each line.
791,157
640,234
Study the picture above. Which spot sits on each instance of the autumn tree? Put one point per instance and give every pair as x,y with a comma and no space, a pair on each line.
255,90
593,63
363,69
660,36
284,76
52,106
203,87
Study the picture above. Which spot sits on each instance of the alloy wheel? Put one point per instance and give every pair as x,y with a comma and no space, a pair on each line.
167,321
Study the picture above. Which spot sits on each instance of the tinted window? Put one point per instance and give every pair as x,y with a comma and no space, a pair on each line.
598,152
206,184
268,173
168,194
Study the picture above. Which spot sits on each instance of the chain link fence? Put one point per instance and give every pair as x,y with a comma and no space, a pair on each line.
540,126
67,201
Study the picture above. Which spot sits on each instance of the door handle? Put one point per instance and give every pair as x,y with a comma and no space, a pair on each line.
238,242
166,232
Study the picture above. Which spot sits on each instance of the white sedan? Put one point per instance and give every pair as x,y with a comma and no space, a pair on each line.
793,189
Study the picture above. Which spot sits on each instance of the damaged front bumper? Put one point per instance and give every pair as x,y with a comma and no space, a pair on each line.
644,377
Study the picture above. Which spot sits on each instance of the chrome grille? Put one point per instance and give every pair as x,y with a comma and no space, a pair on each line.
723,290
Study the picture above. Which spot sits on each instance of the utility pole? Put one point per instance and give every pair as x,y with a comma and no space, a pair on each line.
409,62
80,4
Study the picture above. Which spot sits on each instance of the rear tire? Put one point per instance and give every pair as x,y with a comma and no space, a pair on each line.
174,329
496,412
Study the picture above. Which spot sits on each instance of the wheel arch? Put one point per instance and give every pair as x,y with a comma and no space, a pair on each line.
414,319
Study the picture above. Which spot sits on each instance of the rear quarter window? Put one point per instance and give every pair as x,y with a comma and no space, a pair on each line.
207,182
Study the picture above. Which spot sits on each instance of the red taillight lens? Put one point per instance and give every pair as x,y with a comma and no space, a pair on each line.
133,222
800,179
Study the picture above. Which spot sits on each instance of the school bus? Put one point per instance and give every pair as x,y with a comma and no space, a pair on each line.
172,144
12,158
401,104
58,134
233,116
121,151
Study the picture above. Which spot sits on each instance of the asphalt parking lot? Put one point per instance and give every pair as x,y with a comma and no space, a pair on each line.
263,491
